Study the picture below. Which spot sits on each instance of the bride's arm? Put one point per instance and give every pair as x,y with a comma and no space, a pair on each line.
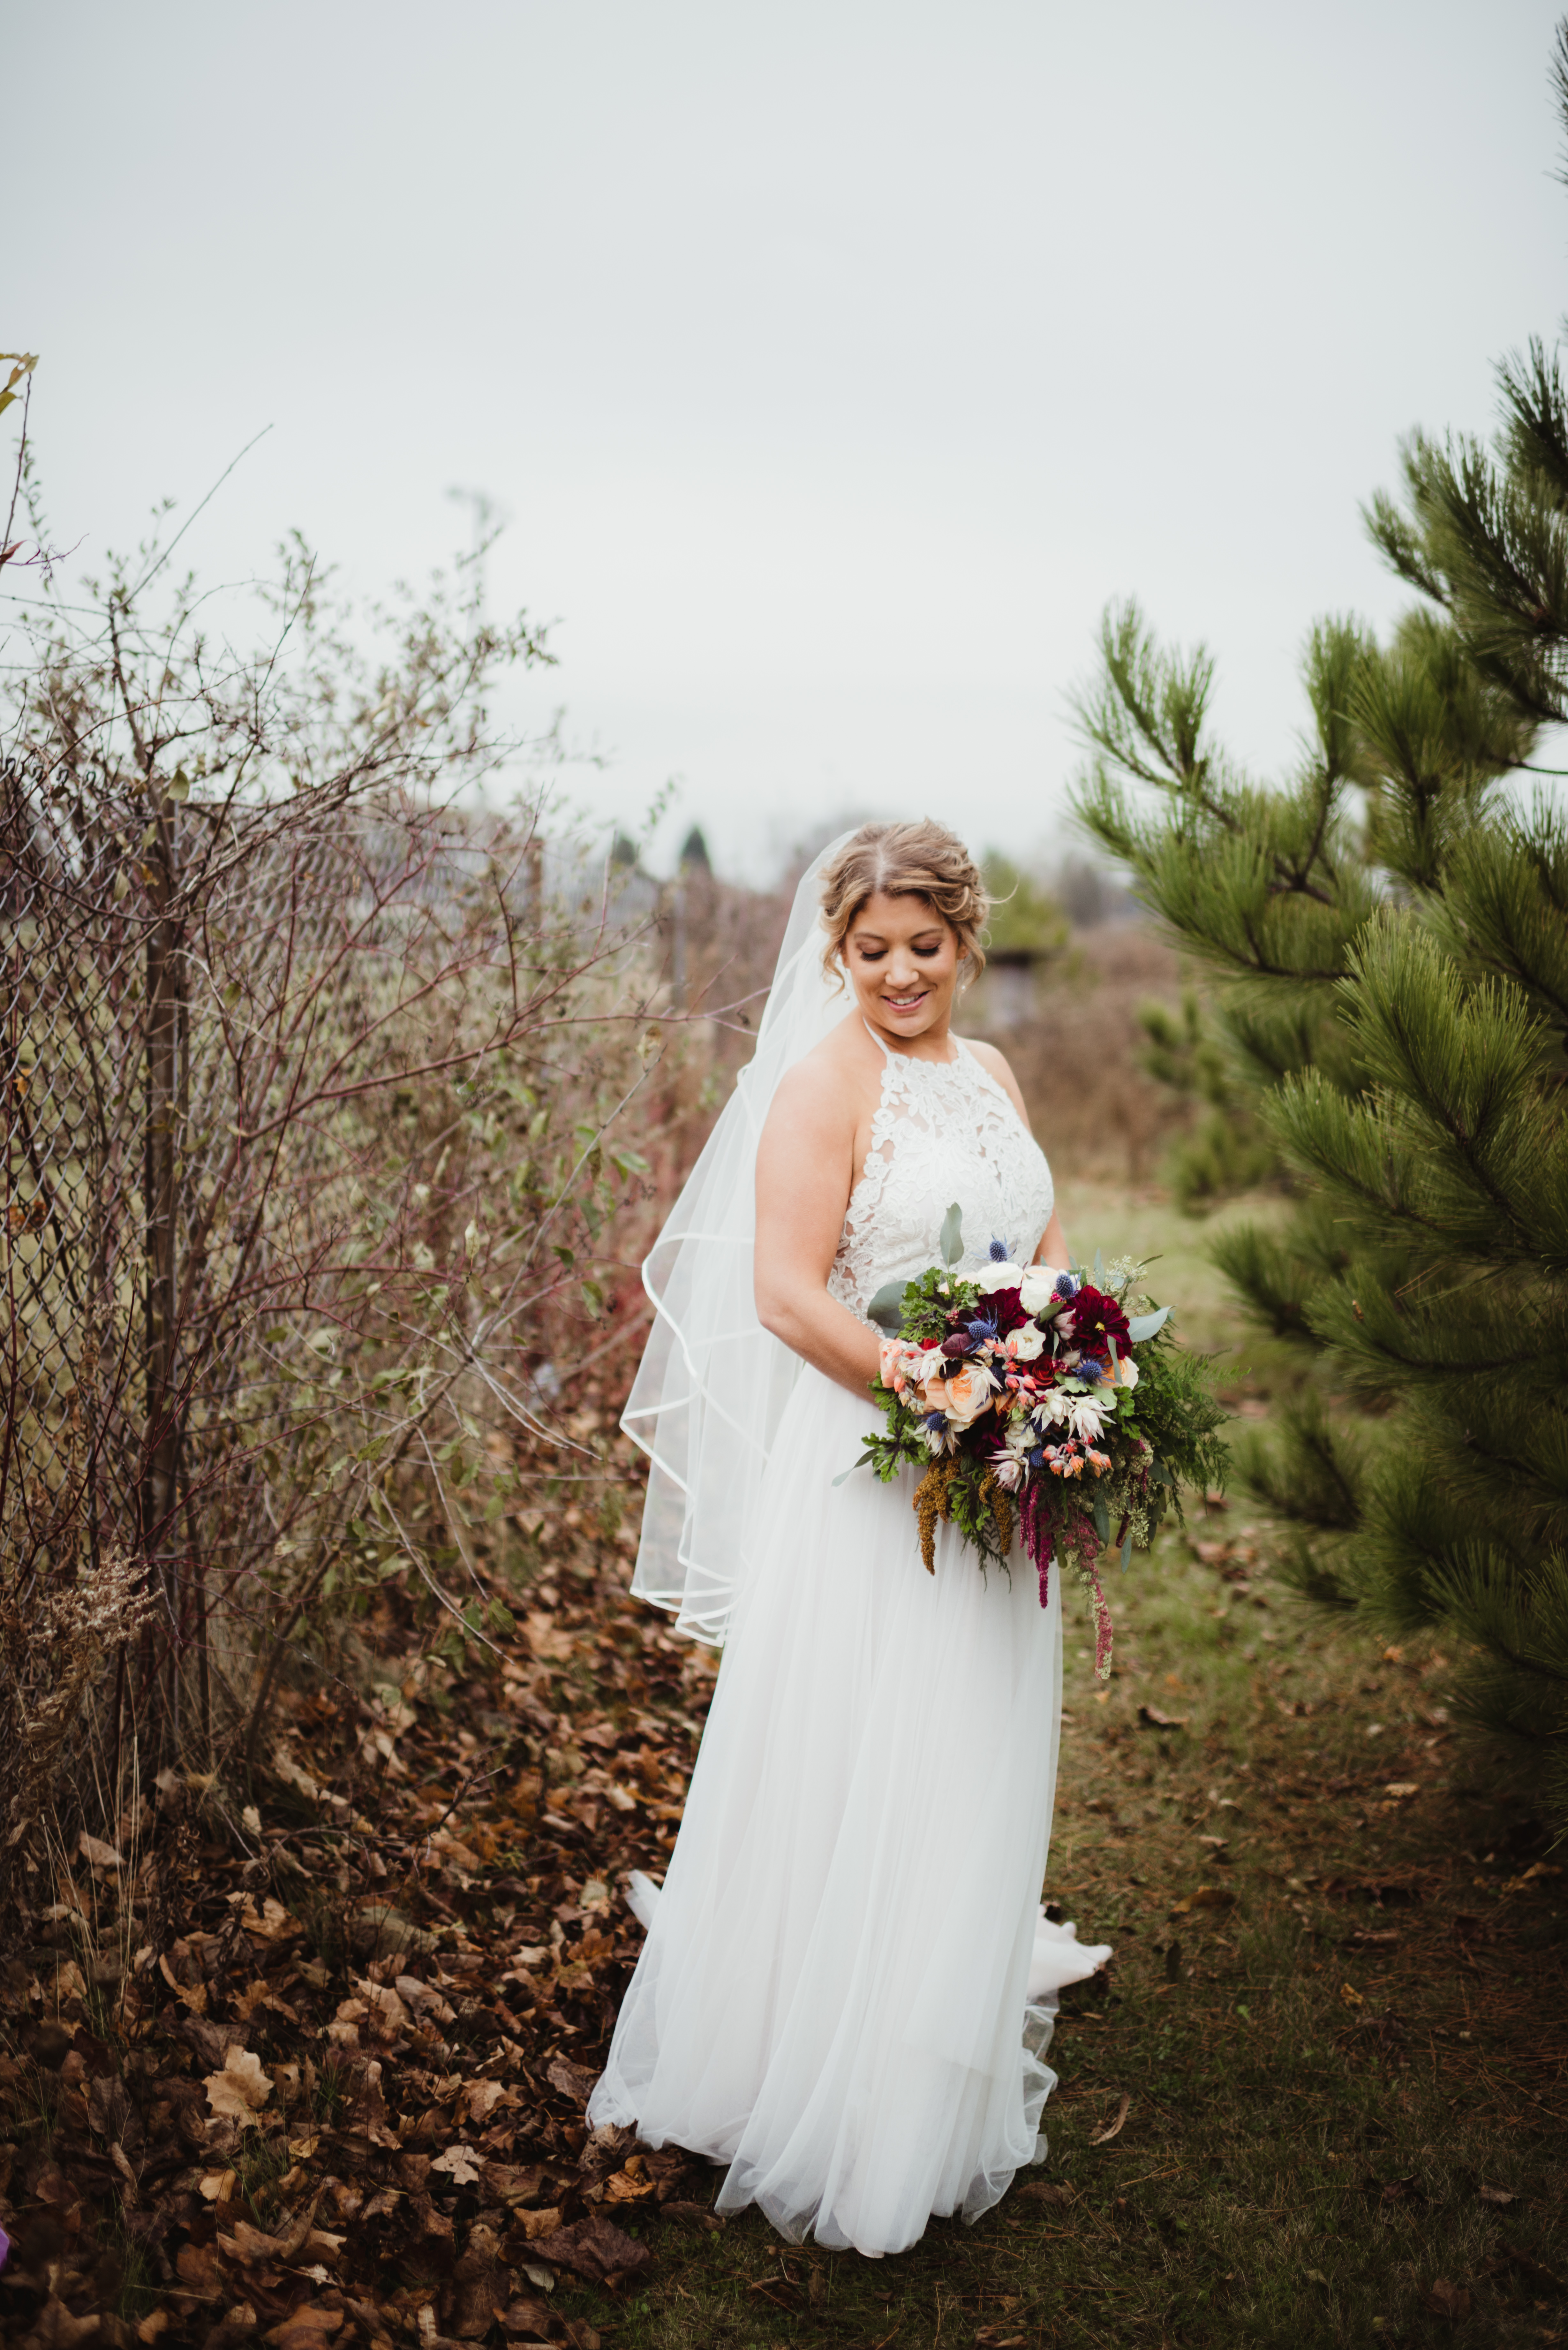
805,1173
1053,1248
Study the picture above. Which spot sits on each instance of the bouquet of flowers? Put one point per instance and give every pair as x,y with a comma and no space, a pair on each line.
1055,1403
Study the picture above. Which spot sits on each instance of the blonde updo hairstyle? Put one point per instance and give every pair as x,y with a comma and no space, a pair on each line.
905,860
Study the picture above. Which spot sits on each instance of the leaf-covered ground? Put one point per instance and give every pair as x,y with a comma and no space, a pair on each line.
321,2083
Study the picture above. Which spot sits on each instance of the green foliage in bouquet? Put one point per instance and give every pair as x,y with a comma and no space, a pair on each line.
1180,1416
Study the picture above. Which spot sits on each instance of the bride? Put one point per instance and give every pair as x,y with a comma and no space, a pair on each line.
847,1986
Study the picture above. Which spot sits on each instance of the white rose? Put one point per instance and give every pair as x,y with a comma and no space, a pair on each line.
1037,1287
992,1275
1024,1343
1126,1372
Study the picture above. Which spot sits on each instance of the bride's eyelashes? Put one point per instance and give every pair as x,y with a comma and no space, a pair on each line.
876,955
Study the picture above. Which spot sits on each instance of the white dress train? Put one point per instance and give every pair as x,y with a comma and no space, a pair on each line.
847,1987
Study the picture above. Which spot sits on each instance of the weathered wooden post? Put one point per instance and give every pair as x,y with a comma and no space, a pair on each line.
157,1510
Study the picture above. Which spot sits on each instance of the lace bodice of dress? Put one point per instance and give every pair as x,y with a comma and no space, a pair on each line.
944,1130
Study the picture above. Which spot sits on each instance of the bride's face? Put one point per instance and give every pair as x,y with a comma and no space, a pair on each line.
903,963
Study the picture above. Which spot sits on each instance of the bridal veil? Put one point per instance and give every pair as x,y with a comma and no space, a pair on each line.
712,1383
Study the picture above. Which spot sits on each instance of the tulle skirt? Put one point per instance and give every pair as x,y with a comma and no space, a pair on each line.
845,1993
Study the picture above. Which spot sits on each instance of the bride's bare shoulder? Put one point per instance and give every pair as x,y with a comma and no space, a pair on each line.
829,1087
995,1065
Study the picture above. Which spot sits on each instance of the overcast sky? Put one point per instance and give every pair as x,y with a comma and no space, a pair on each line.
832,363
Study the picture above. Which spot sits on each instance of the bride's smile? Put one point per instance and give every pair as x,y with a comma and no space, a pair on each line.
904,969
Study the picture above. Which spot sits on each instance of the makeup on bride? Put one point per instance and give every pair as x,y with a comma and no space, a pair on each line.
902,960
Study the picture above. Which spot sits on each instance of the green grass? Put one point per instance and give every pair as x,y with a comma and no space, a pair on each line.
1120,1221
1360,2026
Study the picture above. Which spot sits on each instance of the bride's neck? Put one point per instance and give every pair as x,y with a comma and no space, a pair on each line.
933,1044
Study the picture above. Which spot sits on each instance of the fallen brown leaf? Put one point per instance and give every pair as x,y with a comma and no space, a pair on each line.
197,2267
540,2224
1207,1896
595,2248
1445,2300
480,2097
307,2329
249,2246
1104,2137
531,2319
693,2215
574,2081
379,1930
238,2092
57,2329
631,2184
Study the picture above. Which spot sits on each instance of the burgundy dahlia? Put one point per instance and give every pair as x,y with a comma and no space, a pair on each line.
1097,1320
1005,1308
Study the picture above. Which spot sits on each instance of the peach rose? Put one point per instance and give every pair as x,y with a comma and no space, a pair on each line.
962,1398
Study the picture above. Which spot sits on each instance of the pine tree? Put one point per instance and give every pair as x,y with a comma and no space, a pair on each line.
1224,1150
1388,933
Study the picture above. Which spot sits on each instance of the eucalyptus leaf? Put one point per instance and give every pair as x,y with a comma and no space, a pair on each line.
1126,1549
1144,1325
952,1235
1102,1521
887,1308
843,1474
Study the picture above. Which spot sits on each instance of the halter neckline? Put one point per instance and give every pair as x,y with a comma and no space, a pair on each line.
958,1046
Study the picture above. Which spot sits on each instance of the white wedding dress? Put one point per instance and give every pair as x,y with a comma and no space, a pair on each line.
848,1987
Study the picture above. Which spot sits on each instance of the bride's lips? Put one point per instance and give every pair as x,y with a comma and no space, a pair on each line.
903,1002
